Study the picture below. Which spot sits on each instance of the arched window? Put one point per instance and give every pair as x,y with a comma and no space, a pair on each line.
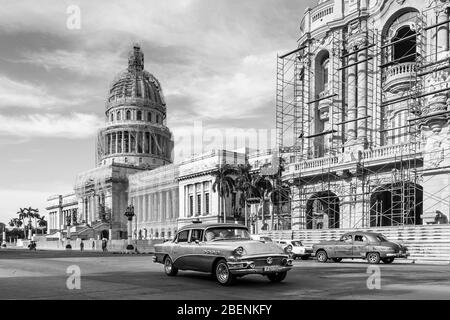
157,118
404,45
149,117
399,37
111,117
128,115
118,115
139,115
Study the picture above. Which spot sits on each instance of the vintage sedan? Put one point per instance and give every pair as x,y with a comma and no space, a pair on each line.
360,245
298,249
224,250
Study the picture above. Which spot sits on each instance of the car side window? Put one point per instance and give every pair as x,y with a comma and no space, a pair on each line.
360,238
196,234
347,238
183,236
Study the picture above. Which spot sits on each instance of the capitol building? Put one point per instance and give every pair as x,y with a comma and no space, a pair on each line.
362,119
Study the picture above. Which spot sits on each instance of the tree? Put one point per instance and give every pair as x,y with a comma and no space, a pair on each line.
223,184
22,216
262,187
243,183
42,223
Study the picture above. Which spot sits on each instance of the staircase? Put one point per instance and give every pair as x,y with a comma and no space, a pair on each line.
424,242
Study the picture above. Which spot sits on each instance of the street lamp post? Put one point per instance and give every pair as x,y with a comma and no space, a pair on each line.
68,245
4,237
129,213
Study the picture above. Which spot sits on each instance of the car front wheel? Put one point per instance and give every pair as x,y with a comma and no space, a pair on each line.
388,260
169,269
223,274
373,257
322,256
277,277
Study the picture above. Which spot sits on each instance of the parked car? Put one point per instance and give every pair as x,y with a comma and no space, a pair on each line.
261,238
225,250
360,245
297,248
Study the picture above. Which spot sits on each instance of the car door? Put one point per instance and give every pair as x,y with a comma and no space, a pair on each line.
360,244
344,248
196,259
180,249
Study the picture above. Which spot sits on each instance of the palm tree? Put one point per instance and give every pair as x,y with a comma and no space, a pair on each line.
22,216
16,223
42,223
262,187
30,213
223,184
244,185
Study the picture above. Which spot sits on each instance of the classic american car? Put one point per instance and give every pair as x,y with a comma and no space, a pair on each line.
360,245
298,249
224,250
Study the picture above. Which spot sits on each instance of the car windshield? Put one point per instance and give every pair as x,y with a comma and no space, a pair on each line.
297,243
380,237
227,233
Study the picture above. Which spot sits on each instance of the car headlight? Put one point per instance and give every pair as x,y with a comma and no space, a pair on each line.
288,249
239,251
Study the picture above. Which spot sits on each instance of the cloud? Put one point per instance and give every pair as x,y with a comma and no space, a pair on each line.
80,62
51,125
28,95
13,199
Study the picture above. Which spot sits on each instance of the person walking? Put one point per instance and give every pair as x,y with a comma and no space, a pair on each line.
104,244
81,246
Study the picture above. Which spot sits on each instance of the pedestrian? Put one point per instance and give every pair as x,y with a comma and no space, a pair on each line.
104,244
81,246
93,245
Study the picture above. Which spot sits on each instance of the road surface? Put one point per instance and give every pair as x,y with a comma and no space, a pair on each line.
43,275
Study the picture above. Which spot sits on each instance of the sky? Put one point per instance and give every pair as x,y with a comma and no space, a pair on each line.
215,59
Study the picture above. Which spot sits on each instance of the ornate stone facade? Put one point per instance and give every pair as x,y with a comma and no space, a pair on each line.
388,79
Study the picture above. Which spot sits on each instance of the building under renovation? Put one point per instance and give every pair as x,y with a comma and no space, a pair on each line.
362,118
363,110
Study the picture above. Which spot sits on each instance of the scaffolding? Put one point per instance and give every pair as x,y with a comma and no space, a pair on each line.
384,195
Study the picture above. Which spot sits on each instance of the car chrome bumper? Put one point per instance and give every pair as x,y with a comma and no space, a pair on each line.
248,267
397,255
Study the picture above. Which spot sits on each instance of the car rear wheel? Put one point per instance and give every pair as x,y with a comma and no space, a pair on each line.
337,259
388,260
373,257
223,274
277,277
322,256
169,269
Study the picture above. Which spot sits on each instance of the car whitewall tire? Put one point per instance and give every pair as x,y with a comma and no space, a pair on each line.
322,256
169,269
223,274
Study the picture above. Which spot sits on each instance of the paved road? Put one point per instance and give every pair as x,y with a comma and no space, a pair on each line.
42,275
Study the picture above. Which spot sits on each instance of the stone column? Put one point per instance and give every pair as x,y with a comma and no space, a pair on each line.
202,199
442,34
122,141
150,207
167,204
160,206
145,209
110,143
136,141
362,97
351,99
91,208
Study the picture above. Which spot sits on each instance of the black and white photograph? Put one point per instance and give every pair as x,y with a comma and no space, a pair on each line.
225,155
